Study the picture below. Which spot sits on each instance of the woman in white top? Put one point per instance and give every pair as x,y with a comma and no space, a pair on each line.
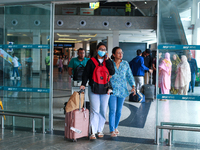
183,77
65,63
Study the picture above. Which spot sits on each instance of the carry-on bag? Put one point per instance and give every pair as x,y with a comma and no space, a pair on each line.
138,97
148,90
77,122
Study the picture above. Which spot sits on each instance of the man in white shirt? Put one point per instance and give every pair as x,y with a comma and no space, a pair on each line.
15,67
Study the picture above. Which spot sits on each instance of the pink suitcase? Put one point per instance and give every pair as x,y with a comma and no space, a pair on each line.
77,123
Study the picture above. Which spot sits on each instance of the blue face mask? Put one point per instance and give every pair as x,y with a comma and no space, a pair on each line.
101,53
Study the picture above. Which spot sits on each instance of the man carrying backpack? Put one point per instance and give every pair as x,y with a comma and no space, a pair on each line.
78,61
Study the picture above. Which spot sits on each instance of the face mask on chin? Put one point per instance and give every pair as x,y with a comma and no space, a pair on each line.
101,53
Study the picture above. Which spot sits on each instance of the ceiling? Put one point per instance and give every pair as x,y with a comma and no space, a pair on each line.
138,36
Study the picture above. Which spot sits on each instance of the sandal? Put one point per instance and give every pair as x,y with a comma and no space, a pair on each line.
116,131
100,134
113,134
93,137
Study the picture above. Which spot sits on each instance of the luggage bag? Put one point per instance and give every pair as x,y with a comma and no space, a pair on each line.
138,97
77,123
148,90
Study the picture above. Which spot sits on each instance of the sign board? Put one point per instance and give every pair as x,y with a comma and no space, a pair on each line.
63,44
94,5
10,49
86,11
68,11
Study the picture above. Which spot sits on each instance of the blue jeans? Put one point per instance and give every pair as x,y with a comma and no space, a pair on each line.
15,69
115,108
98,108
192,83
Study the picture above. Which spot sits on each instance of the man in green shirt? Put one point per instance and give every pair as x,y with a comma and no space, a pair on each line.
47,62
74,62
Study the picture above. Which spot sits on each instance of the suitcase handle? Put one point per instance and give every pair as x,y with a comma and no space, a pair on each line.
150,76
80,99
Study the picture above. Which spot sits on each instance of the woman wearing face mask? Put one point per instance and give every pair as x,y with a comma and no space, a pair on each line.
98,97
123,74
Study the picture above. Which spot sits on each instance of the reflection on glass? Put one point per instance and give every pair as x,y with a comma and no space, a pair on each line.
175,61
183,77
165,74
184,72
194,71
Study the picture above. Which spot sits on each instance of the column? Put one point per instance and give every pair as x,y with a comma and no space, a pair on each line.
112,41
36,52
109,45
115,38
44,52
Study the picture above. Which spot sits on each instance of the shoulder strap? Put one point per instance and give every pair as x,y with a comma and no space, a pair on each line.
95,61
80,65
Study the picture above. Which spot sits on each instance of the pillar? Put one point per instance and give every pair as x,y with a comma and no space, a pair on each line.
36,52
109,45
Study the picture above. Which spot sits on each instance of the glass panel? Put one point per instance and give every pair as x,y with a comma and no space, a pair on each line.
25,57
108,9
178,64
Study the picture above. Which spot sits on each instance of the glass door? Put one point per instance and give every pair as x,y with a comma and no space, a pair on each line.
25,56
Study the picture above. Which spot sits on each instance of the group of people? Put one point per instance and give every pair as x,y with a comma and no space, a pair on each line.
119,73
178,75
113,94
62,64
141,68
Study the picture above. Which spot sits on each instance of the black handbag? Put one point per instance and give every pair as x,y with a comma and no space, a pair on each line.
138,97
133,98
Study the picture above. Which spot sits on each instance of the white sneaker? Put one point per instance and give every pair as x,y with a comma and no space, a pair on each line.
12,78
18,78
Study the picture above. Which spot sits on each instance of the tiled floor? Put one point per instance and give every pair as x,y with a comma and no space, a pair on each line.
137,126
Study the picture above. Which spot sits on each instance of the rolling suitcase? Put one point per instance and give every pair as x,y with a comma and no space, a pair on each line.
148,90
77,123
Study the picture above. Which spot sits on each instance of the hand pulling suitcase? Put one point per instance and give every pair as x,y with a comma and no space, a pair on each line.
148,90
77,122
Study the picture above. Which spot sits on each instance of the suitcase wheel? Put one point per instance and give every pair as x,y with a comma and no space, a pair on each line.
74,140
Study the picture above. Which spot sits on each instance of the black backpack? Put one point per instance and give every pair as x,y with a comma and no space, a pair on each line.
78,72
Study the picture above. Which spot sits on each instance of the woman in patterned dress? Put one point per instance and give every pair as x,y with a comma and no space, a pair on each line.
120,91
176,60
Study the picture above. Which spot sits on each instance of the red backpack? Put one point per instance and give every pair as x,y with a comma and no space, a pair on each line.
100,77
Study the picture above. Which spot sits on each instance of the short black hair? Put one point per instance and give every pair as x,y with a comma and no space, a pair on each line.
148,51
139,51
101,43
80,49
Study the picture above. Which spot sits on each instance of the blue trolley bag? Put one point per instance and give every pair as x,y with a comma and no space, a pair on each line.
148,90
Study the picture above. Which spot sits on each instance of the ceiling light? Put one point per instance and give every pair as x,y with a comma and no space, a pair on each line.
63,35
145,2
9,34
88,35
66,39
87,39
135,7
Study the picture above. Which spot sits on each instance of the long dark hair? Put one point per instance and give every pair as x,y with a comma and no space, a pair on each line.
114,51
